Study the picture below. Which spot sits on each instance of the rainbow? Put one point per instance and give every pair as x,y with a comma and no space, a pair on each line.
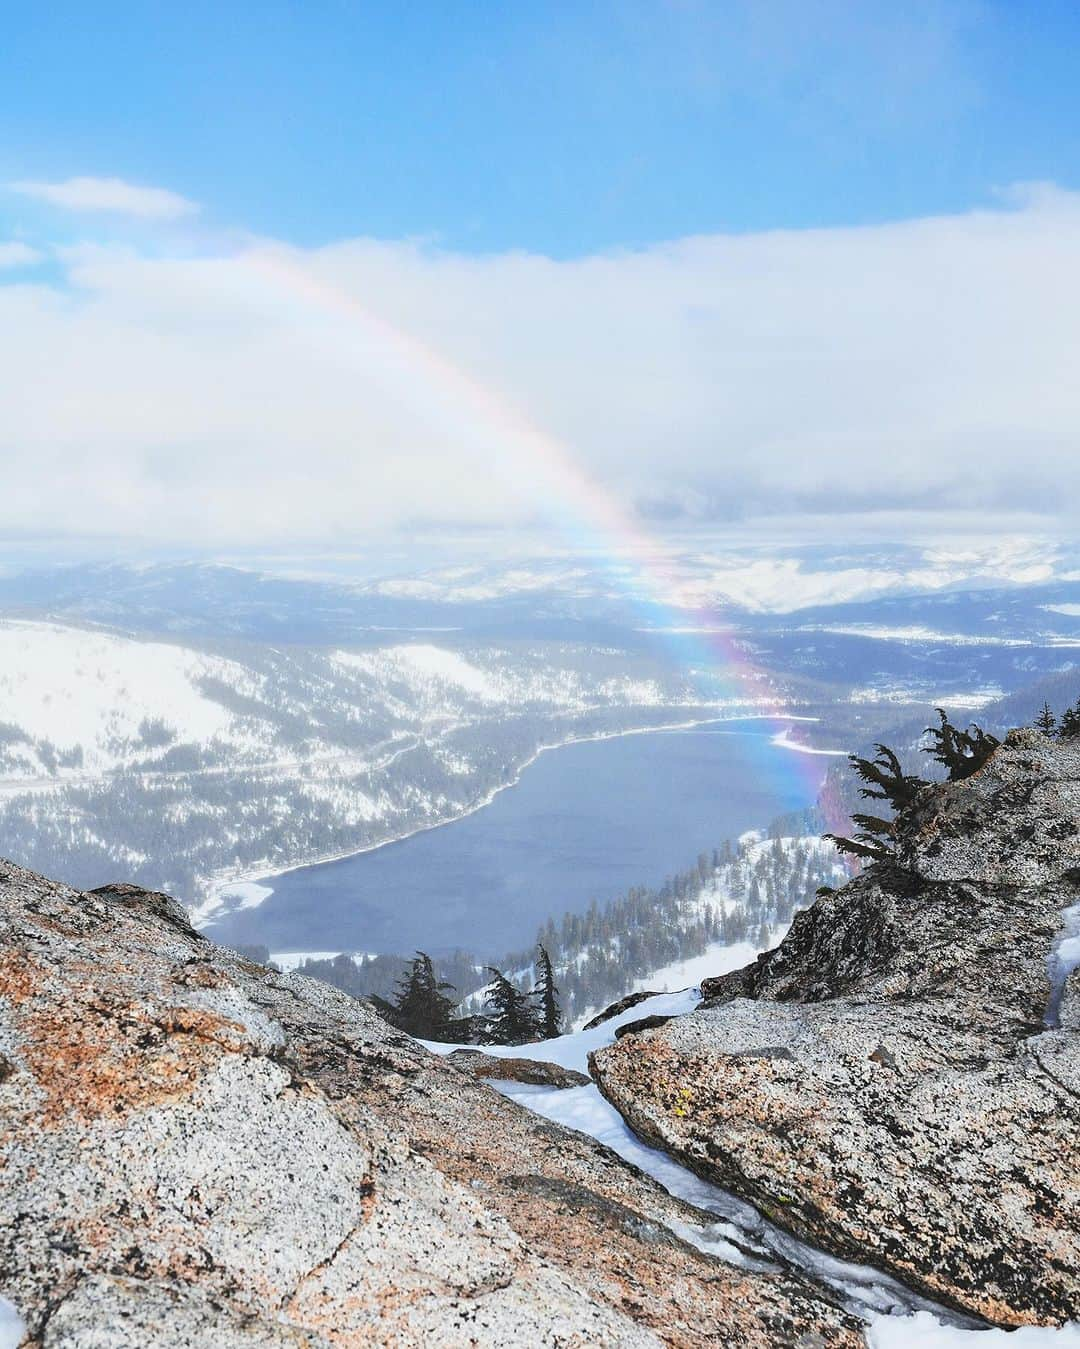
708,651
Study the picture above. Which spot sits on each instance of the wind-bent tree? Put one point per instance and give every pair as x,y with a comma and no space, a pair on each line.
885,780
961,752
547,995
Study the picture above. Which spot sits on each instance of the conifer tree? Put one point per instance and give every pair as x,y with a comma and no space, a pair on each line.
547,995
513,1019
422,1007
1045,721
1069,725
885,780
961,752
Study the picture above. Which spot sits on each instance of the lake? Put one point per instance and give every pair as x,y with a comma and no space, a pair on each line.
586,821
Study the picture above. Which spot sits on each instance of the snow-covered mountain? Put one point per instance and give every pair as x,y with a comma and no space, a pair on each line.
78,701
183,763
186,724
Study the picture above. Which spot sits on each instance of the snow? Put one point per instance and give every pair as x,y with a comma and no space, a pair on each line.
916,633
918,693
73,686
926,1331
1062,961
717,958
422,663
897,1317
461,585
245,895
12,1329
775,583
572,1051
287,961
782,740
1069,610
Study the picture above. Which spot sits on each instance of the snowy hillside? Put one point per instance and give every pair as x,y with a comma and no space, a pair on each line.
73,699
186,764
713,917
79,701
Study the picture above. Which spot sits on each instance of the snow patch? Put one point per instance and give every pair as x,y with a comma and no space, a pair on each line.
916,633
245,895
12,1327
422,662
717,958
739,1234
287,961
782,740
74,687
926,1331
1064,958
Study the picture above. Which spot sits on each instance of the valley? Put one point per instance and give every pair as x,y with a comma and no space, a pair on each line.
280,750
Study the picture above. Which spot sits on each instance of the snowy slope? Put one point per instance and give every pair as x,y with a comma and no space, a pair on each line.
93,691
186,765
77,701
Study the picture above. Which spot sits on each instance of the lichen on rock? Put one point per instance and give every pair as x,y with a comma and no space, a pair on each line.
200,1151
885,1083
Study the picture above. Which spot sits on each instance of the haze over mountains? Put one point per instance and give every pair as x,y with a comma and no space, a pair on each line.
188,724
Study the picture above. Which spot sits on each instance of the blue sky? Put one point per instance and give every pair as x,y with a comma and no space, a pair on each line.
563,128
295,273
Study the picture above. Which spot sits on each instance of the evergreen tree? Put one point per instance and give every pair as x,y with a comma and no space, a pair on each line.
513,1019
422,1008
961,752
547,995
885,780
1045,721
1069,725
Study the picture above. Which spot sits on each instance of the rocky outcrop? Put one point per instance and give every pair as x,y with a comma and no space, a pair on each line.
532,1072
199,1151
617,1008
885,1083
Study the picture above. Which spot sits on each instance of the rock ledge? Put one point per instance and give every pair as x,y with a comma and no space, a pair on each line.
884,1083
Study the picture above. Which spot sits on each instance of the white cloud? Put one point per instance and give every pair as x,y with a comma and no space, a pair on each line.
277,394
109,194
15,254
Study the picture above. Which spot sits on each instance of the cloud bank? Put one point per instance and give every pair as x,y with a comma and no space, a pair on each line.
263,394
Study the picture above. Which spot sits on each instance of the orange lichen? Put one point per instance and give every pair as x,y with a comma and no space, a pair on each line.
100,1058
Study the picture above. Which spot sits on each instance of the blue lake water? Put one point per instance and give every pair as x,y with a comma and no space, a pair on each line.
585,822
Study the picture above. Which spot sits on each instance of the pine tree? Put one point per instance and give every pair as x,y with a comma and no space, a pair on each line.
885,780
961,752
1045,721
513,1019
422,1008
1069,725
547,995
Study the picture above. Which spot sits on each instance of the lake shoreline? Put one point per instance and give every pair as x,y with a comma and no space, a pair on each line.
204,916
